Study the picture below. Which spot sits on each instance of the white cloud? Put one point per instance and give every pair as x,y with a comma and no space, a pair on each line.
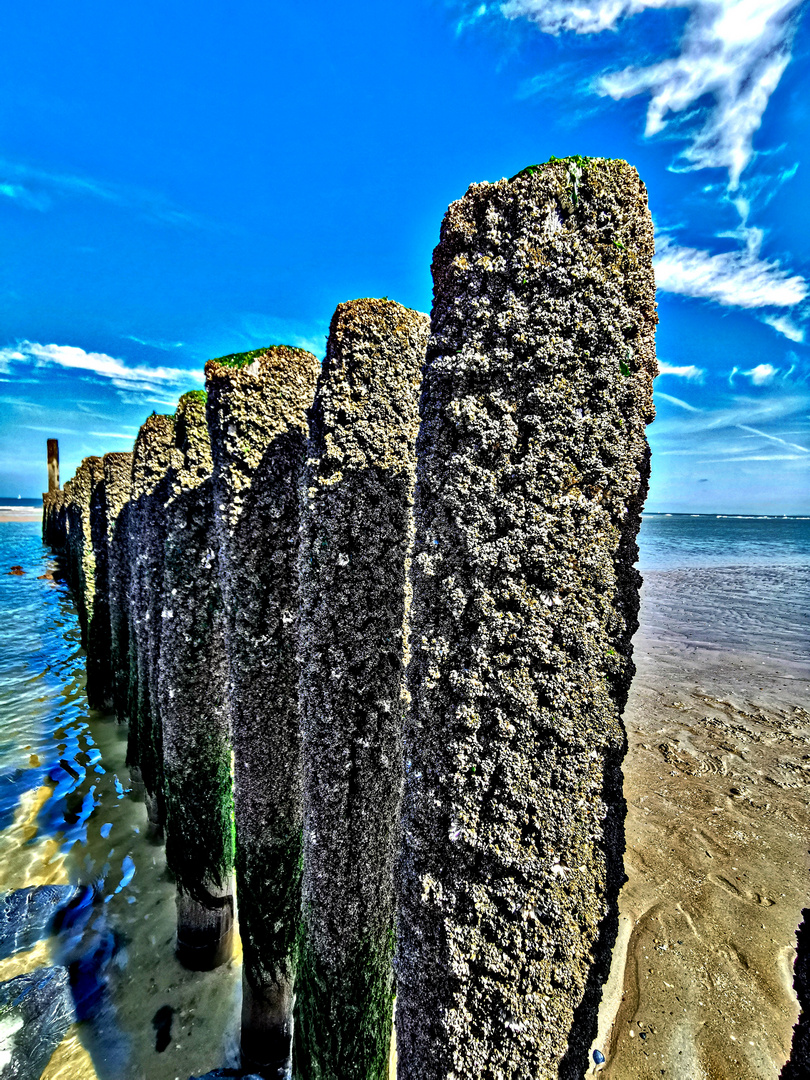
137,379
762,374
732,278
676,401
732,51
784,326
112,435
684,371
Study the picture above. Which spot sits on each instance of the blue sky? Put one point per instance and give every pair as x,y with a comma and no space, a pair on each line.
182,181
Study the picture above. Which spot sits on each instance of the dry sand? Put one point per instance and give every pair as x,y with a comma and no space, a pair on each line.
717,829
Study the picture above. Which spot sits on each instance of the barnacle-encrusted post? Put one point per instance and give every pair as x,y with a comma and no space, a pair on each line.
99,671
81,560
532,471
151,459
192,693
117,487
256,411
356,538
53,519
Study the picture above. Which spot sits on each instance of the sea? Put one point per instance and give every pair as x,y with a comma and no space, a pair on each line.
70,814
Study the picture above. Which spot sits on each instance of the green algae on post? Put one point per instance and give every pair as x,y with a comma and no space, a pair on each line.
256,414
151,459
192,694
532,468
356,536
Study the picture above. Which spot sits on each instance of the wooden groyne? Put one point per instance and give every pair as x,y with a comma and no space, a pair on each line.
370,626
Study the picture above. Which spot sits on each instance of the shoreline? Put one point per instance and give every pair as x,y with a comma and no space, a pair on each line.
12,513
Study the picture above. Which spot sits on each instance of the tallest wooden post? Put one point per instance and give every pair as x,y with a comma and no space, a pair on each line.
53,465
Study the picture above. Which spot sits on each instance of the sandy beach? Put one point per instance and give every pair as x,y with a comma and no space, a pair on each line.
716,774
10,512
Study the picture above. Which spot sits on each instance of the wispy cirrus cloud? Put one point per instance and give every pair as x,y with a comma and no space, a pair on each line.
124,377
114,435
733,52
659,394
773,438
41,189
255,330
731,278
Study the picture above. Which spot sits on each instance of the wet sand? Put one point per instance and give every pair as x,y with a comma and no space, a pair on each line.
717,829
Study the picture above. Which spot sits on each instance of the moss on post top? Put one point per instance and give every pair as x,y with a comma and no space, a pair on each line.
279,373
255,397
192,395
365,411
152,453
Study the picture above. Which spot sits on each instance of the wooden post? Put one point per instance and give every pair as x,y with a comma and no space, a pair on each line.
53,465
532,468
256,412
356,535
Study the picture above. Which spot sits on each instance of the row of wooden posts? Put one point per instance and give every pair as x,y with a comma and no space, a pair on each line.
377,614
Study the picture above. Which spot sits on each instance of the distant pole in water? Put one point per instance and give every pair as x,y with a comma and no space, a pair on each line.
356,537
532,469
256,412
53,465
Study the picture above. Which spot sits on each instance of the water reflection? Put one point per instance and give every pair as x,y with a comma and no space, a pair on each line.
69,814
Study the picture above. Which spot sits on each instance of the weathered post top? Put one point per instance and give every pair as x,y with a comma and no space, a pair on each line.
53,465
532,468
151,454
253,399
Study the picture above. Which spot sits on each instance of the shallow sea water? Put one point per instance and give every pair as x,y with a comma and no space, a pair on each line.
70,814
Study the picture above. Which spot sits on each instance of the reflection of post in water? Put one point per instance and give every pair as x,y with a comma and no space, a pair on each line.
151,458
532,468
257,406
192,690
356,535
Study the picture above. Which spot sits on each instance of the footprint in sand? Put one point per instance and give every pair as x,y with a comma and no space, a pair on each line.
740,893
